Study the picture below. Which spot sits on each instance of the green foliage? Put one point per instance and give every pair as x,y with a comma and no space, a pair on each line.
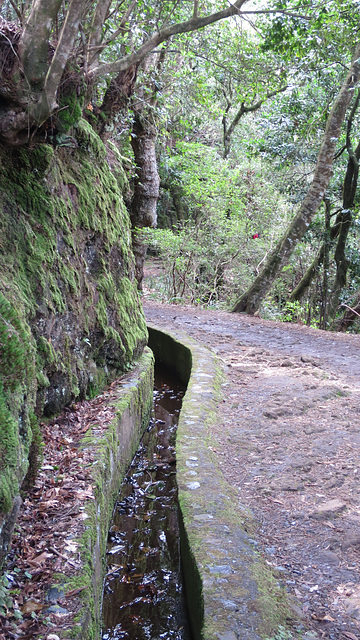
311,31
205,254
6,601
282,634
292,311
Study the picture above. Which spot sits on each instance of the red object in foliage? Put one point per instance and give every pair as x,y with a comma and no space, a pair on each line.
255,235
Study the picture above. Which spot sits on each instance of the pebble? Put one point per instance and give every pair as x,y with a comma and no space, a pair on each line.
60,611
54,594
330,509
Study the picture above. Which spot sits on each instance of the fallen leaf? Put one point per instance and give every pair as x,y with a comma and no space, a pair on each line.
30,606
325,618
275,500
350,635
74,592
41,558
88,493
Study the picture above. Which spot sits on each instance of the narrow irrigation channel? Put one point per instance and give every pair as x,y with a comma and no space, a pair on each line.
143,594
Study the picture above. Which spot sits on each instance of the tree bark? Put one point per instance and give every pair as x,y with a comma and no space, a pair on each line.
47,102
349,192
34,43
325,281
146,188
251,300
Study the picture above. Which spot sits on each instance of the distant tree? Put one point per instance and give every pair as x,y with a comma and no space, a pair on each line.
251,300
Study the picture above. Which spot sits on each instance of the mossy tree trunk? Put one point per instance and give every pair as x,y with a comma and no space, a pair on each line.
251,300
349,192
146,188
339,230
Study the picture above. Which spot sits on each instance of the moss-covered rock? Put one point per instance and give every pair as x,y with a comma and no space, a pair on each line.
70,317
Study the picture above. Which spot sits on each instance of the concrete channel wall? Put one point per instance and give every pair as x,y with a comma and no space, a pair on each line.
229,589
231,592
112,451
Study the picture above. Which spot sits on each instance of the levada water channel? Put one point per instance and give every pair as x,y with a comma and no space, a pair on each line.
143,593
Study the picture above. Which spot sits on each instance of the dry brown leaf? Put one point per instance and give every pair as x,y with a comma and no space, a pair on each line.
41,558
30,606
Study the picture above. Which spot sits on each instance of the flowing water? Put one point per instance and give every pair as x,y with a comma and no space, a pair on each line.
143,594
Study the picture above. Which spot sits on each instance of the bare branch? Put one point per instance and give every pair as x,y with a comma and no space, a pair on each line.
18,13
350,309
228,131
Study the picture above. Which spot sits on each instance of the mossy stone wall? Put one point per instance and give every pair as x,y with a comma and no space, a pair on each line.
70,316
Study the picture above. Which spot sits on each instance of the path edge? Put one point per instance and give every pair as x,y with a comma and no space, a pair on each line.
231,592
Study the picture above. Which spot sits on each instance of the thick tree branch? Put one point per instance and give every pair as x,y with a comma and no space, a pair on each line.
35,38
47,102
157,38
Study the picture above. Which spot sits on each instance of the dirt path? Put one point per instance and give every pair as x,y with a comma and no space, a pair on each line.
289,440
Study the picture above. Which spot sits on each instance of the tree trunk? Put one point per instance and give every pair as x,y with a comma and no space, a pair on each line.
342,263
146,188
308,276
351,315
324,311
251,300
313,269
349,192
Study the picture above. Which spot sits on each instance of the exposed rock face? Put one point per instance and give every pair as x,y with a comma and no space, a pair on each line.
70,316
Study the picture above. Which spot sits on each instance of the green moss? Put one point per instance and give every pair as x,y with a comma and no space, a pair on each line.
89,140
272,601
36,159
70,316
69,113
35,453
17,371
46,350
